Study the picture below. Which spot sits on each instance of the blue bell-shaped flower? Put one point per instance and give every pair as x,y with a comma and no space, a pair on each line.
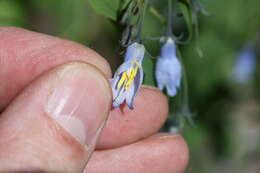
168,68
129,76
245,65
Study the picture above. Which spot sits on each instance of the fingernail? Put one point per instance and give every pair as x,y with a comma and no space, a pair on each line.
80,102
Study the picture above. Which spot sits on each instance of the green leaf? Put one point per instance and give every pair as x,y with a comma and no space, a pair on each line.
107,8
11,13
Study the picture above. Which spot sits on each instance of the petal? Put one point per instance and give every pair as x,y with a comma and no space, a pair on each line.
138,80
174,78
130,52
135,51
161,73
171,90
113,83
118,93
140,53
174,69
119,97
130,96
134,88
168,50
122,68
175,73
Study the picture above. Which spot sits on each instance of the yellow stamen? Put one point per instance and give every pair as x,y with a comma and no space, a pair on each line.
122,80
128,76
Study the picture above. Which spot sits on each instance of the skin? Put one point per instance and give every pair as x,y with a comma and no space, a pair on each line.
30,64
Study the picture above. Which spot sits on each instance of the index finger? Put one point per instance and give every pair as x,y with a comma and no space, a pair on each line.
24,55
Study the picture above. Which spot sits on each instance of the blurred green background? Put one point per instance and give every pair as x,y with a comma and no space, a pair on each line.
226,137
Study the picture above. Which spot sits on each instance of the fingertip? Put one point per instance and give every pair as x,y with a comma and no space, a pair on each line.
100,62
176,149
61,112
167,153
157,98
126,126
83,94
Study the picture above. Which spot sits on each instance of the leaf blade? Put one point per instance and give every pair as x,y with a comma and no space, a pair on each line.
107,8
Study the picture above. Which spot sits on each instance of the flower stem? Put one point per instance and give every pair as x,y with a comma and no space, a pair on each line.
169,22
141,20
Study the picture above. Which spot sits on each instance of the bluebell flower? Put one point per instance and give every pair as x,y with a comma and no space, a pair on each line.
244,65
129,76
168,68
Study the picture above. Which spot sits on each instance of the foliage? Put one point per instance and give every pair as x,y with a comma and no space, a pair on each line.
108,8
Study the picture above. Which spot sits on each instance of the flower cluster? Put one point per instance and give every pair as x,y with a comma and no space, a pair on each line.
129,76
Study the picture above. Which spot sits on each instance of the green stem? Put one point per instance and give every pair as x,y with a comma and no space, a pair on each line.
185,94
169,25
141,20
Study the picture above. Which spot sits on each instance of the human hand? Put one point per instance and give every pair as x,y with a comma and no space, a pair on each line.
55,99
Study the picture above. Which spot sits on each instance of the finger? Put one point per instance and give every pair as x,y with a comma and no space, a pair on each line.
24,55
125,126
52,126
162,153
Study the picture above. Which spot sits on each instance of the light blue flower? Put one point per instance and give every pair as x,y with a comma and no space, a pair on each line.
129,76
244,65
168,68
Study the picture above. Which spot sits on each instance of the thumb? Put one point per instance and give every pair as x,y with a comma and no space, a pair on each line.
53,125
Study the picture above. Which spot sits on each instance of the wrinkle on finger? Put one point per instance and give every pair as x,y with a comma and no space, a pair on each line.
167,153
24,55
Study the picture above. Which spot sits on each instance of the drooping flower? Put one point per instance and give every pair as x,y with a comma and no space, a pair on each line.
129,76
244,65
168,68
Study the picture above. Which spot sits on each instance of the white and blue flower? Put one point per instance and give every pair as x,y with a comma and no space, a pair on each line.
168,68
245,65
129,76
